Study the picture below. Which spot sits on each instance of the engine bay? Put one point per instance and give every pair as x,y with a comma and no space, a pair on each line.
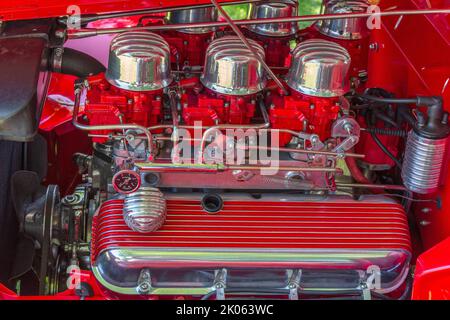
210,159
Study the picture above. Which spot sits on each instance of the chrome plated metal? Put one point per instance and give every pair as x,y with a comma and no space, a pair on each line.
231,68
249,46
76,108
371,186
121,258
216,129
319,68
192,16
139,61
92,32
423,163
350,29
243,180
274,9
145,210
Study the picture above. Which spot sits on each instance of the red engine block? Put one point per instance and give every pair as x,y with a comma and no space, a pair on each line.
105,103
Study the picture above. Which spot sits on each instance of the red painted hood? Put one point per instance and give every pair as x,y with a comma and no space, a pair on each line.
32,9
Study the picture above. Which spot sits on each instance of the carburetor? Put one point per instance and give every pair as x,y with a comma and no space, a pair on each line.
274,37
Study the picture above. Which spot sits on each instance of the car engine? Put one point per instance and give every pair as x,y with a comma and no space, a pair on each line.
209,162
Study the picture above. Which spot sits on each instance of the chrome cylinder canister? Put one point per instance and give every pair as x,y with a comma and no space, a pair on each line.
319,68
139,61
231,68
274,9
145,210
349,28
193,16
423,163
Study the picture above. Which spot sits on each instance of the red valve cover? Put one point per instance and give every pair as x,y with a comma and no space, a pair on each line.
105,104
335,233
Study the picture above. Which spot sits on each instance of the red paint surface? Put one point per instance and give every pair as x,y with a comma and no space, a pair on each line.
290,112
190,48
412,59
212,108
276,49
432,274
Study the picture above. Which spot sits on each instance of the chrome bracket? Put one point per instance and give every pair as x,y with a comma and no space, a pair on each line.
220,283
294,283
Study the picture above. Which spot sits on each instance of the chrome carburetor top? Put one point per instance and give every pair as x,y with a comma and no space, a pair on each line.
231,68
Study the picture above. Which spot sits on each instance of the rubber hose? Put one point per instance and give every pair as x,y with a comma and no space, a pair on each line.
75,63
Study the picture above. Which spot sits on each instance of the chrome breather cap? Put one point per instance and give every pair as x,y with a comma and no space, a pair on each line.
275,9
230,68
319,68
193,16
349,28
145,210
139,61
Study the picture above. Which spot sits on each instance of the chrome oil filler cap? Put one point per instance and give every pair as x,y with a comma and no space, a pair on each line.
230,68
193,16
347,28
319,68
274,9
139,61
